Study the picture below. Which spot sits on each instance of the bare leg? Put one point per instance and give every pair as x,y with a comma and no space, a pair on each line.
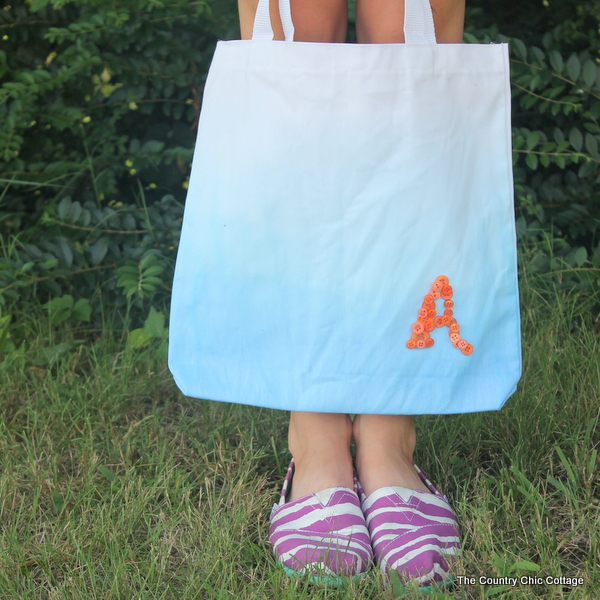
319,442
314,20
384,443
382,21
384,451
320,445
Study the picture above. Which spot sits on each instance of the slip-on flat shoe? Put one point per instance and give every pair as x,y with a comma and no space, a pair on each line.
413,532
322,535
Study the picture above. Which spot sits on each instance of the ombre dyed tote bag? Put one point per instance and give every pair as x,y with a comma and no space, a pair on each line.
348,241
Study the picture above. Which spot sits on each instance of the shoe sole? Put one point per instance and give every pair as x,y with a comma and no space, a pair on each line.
325,580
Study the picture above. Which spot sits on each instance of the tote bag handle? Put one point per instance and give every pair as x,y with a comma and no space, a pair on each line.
418,22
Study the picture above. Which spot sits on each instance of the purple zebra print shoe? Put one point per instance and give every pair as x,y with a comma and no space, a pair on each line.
323,535
413,532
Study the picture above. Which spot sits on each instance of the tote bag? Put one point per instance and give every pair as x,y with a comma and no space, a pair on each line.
331,185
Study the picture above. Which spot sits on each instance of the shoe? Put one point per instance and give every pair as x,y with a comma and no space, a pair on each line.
323,535
413,532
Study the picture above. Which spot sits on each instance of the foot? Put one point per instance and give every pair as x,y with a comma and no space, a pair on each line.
384,452
320,445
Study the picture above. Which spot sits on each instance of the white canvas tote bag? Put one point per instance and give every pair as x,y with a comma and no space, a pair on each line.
348,243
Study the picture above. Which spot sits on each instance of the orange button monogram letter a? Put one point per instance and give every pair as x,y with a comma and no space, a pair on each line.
428,319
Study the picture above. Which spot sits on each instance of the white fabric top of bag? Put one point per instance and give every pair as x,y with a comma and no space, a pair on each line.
418,22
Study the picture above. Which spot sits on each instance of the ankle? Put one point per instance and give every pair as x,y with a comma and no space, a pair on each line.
320,445
318,435
385,433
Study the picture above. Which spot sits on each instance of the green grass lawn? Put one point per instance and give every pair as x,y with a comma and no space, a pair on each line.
113,485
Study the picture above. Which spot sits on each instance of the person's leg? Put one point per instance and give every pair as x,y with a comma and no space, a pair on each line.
319,442
385,444
314,20
384,450
320,445
382,21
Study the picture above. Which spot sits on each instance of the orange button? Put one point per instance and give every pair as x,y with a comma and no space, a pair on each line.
446,321
428,298
442,279
438,322
418,328
448,304
434,293
448,312
462,344
468,349
429,342
423,313
446,292
437,286
455,337
429,325
431,314
411,344
421,344
454,327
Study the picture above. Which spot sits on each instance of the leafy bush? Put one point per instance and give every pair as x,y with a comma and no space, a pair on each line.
555,77
98,109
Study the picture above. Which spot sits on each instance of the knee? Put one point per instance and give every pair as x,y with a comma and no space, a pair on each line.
326,23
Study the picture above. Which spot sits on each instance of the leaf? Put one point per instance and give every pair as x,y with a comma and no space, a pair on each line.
163,350
532,161
108,474
155,323
494,591
589,73
50,263
576,139
519,48
51,355
147,260
559,136
545,160
525,565
556,61
138,338
591,145
66,252
82,310
152,147
533,137
98,250
60,309
75,212
586,169
58,501
573,67
64,207
580,256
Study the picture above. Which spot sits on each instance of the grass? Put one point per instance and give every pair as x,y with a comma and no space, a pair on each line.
113,485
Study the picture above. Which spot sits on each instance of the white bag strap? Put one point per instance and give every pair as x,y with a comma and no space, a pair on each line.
418,22
262,21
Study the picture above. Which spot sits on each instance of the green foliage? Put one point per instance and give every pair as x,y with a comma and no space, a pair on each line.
98,108
153,329
556,135
64,307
